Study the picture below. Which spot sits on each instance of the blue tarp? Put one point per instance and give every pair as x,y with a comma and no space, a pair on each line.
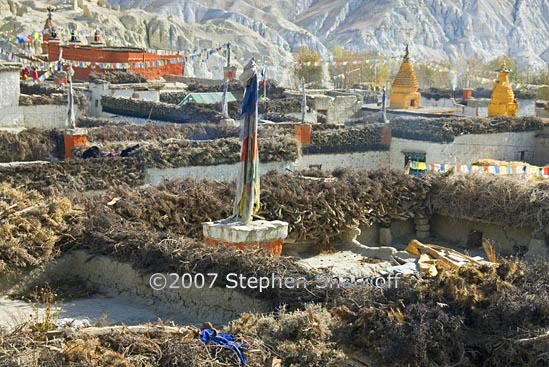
209,336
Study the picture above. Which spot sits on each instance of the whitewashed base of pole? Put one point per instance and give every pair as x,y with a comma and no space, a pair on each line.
267,235
229,122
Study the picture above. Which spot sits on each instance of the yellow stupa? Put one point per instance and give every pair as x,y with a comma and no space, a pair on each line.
503,102
405,86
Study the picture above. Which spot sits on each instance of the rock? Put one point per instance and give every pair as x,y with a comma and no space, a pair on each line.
422,235
385,236
421,221
537,248
86,13
423,227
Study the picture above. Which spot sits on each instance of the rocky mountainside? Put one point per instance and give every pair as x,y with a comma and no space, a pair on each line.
445,30
137,27
437,29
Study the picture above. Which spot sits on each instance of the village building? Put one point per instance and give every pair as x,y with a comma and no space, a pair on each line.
503,101
97,57
137,91
405,93
9,84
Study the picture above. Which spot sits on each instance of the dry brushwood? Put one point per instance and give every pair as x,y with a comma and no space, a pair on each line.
31,226
446,129
174,153
158,132
316,210
31,145
127,348
465,317
117,77
351,139
491,198
80,176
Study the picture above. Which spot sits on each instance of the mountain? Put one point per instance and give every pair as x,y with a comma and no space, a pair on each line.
137,27
450,30
443,30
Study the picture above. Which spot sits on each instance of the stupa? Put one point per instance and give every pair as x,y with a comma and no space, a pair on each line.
405,86
503,102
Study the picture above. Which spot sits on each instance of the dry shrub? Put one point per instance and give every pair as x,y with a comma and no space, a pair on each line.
299,338
31,226
491,198
316,210
75,175
31,145
362,138
146,132
470,316
53,94
22,348
117,77
445,129
182,153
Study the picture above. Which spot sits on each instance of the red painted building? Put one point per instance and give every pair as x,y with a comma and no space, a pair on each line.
99,58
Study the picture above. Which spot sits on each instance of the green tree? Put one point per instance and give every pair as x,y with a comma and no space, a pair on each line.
491,67
354,70
311,73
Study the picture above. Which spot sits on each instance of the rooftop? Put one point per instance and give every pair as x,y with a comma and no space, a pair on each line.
9,66
207,98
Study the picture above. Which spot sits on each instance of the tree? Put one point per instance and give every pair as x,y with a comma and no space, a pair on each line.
306,58
354,69
492,66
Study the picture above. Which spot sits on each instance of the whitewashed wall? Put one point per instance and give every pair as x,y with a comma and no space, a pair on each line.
468,148
97,91
45,116
362,160
9,88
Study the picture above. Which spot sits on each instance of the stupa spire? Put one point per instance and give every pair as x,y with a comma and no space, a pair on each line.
405,86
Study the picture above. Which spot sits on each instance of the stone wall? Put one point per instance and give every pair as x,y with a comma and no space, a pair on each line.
506,240
159,111
541,148
9,86
338,109
222,172
466,149
217,305
447,231
361,160
40,116
97,91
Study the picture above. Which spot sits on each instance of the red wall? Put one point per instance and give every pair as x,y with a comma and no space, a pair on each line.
121,55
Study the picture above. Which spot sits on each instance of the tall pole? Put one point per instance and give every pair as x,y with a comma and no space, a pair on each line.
71,120
246,202
304,101
229,55
224,103
384,105
265,82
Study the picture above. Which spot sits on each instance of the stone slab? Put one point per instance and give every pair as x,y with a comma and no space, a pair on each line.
256,231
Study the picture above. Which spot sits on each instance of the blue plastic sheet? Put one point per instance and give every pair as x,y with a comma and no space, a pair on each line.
209,336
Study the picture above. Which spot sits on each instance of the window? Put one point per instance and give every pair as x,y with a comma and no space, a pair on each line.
414,157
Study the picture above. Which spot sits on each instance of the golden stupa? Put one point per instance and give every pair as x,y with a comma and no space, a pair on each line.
405,86
503,102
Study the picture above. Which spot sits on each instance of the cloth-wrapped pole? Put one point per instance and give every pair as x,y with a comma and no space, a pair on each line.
246,203
71,120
